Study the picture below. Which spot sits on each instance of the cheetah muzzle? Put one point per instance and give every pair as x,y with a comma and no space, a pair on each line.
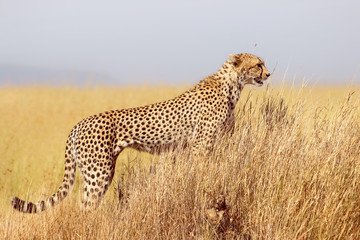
193,118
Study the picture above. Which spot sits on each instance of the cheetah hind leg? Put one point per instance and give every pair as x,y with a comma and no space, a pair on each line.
96,184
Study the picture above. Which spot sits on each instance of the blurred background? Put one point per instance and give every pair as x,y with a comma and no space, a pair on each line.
82,42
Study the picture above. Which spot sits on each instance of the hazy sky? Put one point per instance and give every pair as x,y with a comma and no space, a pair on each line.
183,41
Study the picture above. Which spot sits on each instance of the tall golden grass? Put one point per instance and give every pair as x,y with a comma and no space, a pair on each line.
291,170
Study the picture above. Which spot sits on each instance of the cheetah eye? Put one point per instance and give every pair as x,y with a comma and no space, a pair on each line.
235,64
259,65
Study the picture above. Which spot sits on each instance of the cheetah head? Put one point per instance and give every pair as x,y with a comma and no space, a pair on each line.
249,69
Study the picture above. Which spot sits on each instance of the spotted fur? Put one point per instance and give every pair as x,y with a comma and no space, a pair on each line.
192,118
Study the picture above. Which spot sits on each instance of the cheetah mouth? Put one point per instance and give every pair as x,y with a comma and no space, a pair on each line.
259,81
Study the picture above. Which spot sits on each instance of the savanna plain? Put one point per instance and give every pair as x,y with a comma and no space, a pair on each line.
291,169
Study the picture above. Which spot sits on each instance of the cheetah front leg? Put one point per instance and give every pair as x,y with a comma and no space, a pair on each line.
207,132
203,140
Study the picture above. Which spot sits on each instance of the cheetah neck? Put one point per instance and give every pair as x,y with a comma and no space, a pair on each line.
230,83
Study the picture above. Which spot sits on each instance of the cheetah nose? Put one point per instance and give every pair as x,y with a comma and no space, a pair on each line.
268,75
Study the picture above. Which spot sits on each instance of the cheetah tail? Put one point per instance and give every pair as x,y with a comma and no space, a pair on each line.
62,192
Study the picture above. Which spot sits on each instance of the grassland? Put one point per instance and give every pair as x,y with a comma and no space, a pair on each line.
291,170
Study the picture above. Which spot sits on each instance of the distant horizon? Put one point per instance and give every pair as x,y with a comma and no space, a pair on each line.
17,75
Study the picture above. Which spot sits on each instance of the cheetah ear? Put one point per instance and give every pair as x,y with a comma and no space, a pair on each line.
234,59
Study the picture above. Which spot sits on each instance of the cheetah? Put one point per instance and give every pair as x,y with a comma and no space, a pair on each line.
194,117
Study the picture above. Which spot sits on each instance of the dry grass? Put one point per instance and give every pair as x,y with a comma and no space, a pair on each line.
290,171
